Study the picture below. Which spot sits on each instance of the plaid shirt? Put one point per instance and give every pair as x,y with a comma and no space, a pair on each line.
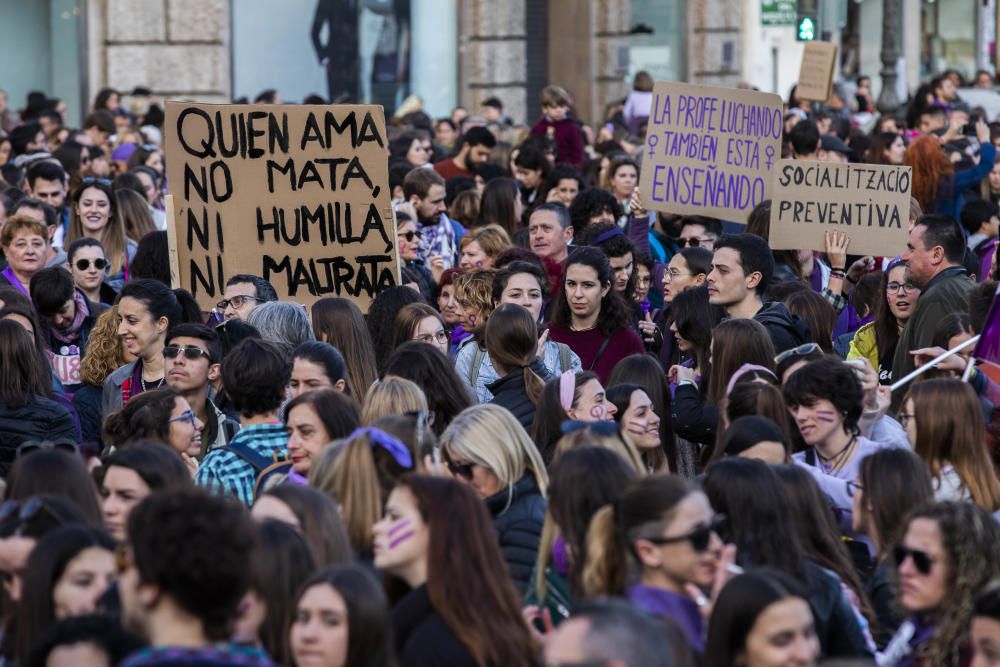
838,301
223,471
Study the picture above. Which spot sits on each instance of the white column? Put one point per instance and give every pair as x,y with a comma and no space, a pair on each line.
434,54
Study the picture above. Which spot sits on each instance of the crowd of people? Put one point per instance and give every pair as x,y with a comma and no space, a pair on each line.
577,432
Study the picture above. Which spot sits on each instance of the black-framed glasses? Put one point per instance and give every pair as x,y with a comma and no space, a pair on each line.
896,288
29,446
440,337
410,235
922,560
26,511
800,351
905,417
100,264
463,470
694,242
699,538
187,416
237,301
853,488
99,181
190,352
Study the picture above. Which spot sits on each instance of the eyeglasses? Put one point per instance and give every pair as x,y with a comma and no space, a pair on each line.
905,417
800,351
100,264
410,235
29,446
694,242
100,181
236,302
673,274
699,538
190,352
441,337
921,559
896,288
27,511
187,416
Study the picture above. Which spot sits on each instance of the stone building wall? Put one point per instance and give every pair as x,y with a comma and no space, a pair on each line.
714,49
493,55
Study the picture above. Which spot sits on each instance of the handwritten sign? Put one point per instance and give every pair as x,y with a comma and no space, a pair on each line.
819,59
296,194
710,151
869,202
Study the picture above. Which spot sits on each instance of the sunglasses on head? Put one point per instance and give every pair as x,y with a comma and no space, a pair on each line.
921,559
26,511
699,538
29,446
83,264
190,352
800,351
100,181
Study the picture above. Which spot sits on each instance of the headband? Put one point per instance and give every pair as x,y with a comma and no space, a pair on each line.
608,235
380,438
567,386
743,370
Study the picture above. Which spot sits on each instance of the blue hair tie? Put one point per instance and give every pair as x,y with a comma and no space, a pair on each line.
608,235
394,446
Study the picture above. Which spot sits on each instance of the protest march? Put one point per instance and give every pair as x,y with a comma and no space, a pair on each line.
710,379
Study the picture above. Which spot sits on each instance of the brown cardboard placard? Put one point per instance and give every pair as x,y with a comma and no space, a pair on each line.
819,59
709,151
296,194
870,202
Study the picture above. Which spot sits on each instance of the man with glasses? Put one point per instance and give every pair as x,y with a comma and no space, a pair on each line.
193,362
697,231
245,292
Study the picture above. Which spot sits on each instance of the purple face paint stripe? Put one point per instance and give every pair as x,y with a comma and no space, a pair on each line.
825,415
400,526
401,538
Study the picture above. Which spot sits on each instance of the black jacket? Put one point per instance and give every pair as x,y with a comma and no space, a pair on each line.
508,392
425,279
787,330
840,634
40,419
87,401
518,515
422,637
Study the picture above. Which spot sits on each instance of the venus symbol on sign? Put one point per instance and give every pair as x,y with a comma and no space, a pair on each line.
653,140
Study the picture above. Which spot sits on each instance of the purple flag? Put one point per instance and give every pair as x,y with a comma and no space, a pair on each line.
988,347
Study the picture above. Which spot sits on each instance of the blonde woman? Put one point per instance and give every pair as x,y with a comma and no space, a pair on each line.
392,396
488,449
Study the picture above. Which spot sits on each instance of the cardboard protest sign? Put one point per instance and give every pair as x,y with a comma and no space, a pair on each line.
296,194
870,202
709,151
816,72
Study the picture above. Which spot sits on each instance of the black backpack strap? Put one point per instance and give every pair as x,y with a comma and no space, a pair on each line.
600,351
811,457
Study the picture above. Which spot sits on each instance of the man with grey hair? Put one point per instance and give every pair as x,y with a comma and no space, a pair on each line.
614,633
282,322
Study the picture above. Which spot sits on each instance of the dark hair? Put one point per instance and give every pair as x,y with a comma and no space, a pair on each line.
881,142
503,276
742,601
340,323
549,416
564,172
99,630
23,377
60,511
646,373
695,319
369,618
433,372
152,258
319,521
324,355
381,320
159,299
58,473
942,230
46,564
202,332
532,157
831,379
280,564
613,315
698,260
759,400
478,136
146,415
987,603
949,326
736,342
559,209
48,212
749,431
193,546
497,204
712,226
129,181
981,298
77,245
45,170
51,288
159,466
232,332
338,411
255,375
755,256
620,633
512,344
400,146
804,137
263,290
818,315
613,245
590,203
894,482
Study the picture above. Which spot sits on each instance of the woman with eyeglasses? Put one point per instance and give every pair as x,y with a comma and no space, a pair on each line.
891,483
943,419
757,509
664,530
314,419
876,341
461,609
160,414
487,449
94,216
420,322
948,553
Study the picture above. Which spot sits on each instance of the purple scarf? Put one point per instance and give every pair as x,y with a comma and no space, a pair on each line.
72,332
8,273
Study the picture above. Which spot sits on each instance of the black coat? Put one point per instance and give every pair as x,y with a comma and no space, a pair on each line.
87,401
40,419
508,392
422,637
786,330
518,515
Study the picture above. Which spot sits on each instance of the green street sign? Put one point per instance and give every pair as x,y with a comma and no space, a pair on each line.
777,13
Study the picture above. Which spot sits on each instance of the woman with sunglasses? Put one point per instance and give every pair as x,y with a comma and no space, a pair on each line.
486,448
461,609
89,266
664,530
408,245
948,553
161,414
876,341
94,216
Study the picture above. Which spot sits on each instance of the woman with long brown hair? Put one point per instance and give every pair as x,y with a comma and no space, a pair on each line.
420,322
944,422
876,341
512,345
462,608
936,185
94,214
135,214
340,323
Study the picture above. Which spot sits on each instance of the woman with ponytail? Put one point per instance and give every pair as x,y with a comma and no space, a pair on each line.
576,396
512,344
664,530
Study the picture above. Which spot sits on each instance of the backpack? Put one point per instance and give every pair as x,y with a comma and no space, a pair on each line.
270,472
565,362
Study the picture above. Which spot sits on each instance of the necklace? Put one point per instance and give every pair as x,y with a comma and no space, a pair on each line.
838,460
142,381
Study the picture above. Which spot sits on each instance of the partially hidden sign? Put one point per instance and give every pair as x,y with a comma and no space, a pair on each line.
871,203
296,194
710,151
819,59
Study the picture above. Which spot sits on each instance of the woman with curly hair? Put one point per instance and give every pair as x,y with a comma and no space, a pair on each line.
105,353
948,554
936,185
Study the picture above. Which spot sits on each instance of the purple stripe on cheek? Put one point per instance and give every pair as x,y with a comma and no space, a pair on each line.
405,523
825,415
402,538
